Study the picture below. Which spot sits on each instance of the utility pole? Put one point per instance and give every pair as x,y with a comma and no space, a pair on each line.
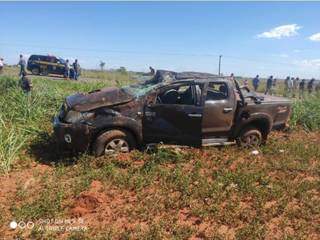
220,56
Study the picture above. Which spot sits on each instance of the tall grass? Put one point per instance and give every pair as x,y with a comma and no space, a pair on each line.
306,113
23,117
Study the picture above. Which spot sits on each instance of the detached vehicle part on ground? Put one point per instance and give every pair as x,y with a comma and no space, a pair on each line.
188,108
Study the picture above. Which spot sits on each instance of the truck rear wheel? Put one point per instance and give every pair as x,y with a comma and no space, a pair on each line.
44,72
113,142
250,137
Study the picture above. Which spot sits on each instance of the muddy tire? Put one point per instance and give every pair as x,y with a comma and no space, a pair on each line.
44,72
250,137
35,71
113,142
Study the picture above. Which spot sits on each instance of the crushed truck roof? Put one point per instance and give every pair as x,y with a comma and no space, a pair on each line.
165,76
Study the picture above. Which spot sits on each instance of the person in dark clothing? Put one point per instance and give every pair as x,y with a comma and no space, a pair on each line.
66,69
310,85
301,88
22,63
25,83
76,69
255,83
1,65
269,85
152,71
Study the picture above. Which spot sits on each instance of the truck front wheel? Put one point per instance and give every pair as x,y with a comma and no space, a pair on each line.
250,137
112,142
35,71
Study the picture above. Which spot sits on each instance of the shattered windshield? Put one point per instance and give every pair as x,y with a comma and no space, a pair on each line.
140,89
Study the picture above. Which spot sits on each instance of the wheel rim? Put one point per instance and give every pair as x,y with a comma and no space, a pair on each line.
116,146
251,140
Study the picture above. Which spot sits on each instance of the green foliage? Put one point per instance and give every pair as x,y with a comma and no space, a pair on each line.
25,117
306,113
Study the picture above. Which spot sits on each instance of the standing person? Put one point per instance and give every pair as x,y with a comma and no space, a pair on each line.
255,83
25,83
152,71
231,78
301,88
295,84
66,69
310,85
317,87
269,85
1,65
287,86
246,83
76,69
22,63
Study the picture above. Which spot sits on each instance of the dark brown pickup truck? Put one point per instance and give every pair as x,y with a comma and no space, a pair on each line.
188,108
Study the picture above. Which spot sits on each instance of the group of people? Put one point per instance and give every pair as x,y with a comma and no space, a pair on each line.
73,73
292,86
26,83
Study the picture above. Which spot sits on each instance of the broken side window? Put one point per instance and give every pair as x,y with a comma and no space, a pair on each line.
187,94
217,91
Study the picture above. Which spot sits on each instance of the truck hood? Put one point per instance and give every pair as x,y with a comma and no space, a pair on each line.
100,98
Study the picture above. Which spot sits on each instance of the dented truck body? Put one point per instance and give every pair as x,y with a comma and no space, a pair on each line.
195,109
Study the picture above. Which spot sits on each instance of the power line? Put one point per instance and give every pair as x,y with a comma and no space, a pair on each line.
153,53
150,53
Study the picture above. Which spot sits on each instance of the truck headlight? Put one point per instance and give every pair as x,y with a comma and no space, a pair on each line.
74,116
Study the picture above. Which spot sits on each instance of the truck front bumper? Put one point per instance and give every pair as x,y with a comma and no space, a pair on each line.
72,136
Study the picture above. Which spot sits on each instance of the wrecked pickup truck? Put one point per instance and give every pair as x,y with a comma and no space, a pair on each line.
188,108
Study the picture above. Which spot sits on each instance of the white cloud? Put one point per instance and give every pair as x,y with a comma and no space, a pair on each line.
296,50
283,55
281,32
315,37
309,63
280,55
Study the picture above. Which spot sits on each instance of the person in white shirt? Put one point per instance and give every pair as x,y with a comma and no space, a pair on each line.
1,65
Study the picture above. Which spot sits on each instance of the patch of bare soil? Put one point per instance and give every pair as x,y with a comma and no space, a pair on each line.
18,182
101,208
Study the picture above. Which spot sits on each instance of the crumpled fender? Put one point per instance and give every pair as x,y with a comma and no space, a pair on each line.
111,121
264,118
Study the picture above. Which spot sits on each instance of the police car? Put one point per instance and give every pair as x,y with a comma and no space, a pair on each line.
44,65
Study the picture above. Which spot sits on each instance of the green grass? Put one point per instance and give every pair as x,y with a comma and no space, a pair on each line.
170,193
306,113
24,117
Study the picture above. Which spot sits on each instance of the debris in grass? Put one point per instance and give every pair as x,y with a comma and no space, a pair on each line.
254,152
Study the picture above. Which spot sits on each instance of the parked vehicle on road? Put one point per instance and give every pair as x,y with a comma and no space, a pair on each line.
45,65
188,108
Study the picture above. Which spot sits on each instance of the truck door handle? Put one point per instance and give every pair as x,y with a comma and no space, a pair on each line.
195,115
227,110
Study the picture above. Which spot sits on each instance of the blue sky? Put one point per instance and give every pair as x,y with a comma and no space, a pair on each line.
254,38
